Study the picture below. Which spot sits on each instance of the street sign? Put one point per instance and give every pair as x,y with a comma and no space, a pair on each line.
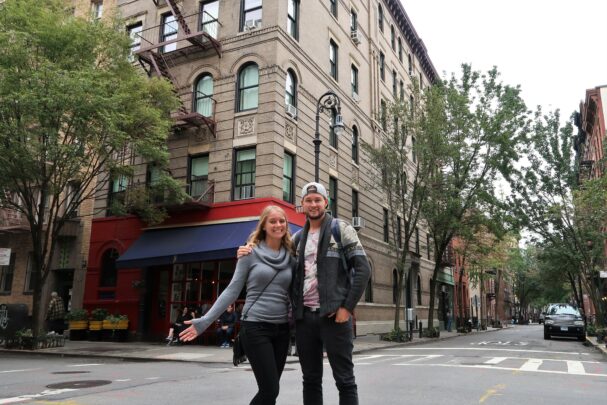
5,256
603,274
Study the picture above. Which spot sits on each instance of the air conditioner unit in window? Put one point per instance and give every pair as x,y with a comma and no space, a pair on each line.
358,222
355,36
291,111
252,24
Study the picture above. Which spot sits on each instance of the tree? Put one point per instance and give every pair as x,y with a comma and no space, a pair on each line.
481,123
403,159
566,215
71,107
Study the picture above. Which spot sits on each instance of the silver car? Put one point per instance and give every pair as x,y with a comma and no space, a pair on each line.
564,320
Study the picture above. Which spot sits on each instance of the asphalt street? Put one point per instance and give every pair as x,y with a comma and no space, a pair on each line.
511,366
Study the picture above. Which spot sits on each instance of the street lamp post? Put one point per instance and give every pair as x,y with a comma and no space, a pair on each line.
327,102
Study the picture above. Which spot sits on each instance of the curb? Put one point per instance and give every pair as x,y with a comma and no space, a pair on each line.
599,347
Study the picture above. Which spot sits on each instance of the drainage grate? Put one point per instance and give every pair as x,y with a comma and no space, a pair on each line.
70,372
79,384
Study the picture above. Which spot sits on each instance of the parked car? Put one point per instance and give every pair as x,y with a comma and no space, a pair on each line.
564,320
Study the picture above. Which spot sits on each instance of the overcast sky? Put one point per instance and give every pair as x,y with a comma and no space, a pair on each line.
555,49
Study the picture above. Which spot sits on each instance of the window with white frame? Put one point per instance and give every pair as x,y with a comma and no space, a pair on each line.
354,79
333,49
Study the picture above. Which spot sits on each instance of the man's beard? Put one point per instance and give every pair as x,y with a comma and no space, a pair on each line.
315,217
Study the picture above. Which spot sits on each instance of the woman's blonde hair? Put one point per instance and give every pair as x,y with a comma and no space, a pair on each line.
259,233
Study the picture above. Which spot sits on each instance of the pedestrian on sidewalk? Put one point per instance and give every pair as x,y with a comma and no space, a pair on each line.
56,314
264,329
225,330
324,292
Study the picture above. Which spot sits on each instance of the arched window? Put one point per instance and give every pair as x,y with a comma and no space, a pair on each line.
419,290
355,144
109,273
291,89
203,95
380,17
248,87
394,285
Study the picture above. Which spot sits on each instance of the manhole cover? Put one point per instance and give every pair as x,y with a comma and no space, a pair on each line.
70,372
79,384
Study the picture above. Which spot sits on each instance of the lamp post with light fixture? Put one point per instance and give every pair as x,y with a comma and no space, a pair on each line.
327,102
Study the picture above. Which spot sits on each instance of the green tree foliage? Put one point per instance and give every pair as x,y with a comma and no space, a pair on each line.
480,123
71,107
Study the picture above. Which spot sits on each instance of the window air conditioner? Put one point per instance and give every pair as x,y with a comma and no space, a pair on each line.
252,24
355,97
358,222
291,110
355,36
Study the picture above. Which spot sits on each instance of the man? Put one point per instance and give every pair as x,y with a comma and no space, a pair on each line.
324,295
56,314
225,331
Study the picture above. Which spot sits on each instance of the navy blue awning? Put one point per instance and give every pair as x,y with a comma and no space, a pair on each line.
190,244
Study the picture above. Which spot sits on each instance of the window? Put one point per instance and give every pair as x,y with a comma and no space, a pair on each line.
400,49
244,174
410,61
382,66
332,136
421,81
369,291
203,97
355,144
411,105
354,203
394,82
333,196
333,6
353,20
29,286
198,178
399,232
210,18
168,32
291,89
109,273
380,17
428,246
392,38
72,199
251,14
386,231
402,91
293,18
134,32
383,113
394,286
416,240
413,154
333,58
97,9
419,290
248,87
6,275
287,178
354,79
116,192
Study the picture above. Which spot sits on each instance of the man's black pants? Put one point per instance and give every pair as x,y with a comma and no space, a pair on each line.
311,332
266,346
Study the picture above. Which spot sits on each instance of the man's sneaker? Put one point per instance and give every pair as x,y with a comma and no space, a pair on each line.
168,338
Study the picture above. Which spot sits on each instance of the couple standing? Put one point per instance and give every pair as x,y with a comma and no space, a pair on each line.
311,278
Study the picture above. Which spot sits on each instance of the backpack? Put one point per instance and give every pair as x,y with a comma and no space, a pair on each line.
336,232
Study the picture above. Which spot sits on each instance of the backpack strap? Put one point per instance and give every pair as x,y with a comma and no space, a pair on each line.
336,231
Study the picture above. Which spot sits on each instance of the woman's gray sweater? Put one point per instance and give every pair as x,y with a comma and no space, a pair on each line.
256,270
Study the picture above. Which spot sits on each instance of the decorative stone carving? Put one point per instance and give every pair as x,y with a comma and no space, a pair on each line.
333,160
245,127
355,176
290,133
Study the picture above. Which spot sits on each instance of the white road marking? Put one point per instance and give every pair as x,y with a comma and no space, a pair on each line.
575,367
427,357
44,393
85,365
123,380
152,378
496,360
489,367
531,365
483,349
18,371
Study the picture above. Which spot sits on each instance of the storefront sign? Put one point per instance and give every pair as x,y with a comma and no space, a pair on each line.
5,257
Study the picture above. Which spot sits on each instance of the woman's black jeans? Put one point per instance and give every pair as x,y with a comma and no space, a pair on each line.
266,346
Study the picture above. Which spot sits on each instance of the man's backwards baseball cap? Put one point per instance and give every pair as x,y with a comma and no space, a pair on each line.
314,188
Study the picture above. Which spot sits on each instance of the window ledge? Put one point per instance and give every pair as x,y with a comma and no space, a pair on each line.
244,113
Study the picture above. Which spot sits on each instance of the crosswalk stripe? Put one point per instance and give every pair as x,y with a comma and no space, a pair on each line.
531,365
496,360
490,367
575,367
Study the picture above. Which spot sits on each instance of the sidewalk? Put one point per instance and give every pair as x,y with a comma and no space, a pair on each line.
146,351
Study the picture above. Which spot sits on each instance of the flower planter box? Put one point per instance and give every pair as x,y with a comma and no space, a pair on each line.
115,331
95,330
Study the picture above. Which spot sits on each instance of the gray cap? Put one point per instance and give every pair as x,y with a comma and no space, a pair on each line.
316,188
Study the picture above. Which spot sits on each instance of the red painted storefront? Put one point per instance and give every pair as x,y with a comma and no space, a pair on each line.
150,296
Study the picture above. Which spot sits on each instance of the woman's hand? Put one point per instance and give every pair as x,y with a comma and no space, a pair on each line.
244,251
188,334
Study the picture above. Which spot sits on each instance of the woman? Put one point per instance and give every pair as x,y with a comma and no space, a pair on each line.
185,315
264,323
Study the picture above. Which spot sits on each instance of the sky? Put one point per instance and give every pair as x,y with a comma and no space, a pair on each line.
554,49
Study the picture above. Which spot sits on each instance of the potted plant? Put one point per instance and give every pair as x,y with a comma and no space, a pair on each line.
118,325
98,315
78,323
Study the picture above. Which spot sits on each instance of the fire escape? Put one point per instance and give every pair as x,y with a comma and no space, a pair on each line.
176,39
